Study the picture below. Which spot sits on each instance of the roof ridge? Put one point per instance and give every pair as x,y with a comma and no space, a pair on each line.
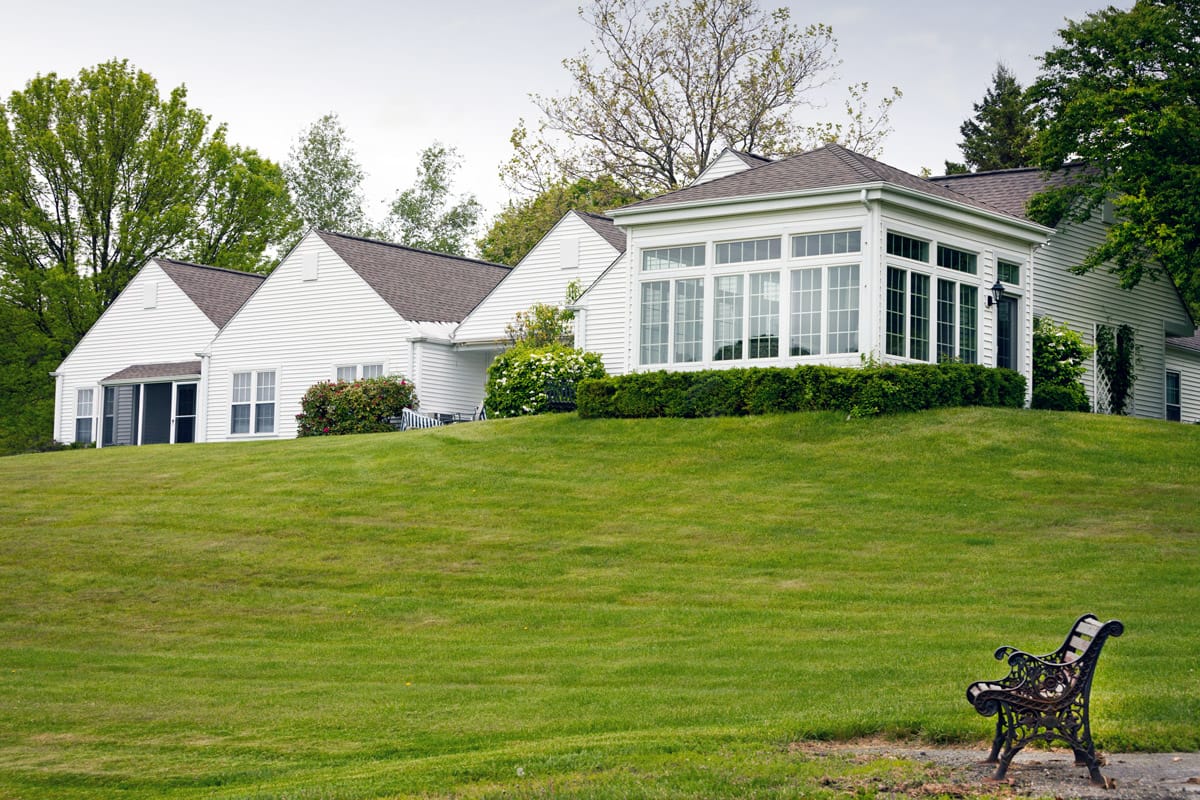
227,270
397,246
854,161
592,214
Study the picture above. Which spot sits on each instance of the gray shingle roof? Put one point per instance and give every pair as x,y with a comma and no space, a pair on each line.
420,285
605,227
1006,189
218,292
1186,342
826,167
175,369
749,159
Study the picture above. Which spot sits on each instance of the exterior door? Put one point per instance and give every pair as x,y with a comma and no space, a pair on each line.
156,413
1007,333
120,415
185,412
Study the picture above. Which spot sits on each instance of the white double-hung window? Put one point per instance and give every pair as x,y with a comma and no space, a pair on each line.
931,310
671,309
83,415
352,372
253,402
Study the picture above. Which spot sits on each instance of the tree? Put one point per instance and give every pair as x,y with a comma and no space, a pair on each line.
326,180
1122,93
669,86
422,215
98,174
522,224
1000,135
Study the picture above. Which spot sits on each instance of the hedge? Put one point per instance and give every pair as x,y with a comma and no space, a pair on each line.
363,406
860,392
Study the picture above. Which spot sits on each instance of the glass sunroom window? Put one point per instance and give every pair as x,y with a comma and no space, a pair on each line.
689,320
673,257
826,244
918,322
656,321
764,315
843,309
728,317
806,312
749,250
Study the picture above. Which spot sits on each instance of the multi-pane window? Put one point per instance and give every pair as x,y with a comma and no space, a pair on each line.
728,317
956,309
764,315
826,244
955,259
689,320
806,312
253,402
83,415
843,309
907,247
1008,272
673,257
1174,395
656,321
352,372
749,250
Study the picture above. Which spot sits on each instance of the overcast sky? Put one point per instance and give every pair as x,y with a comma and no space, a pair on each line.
403,74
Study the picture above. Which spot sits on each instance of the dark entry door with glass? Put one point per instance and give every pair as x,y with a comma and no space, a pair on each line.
156,413
1006,333
185,412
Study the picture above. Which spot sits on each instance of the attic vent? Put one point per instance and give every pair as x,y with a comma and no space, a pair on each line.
1108,214
308,267
150,294
568,253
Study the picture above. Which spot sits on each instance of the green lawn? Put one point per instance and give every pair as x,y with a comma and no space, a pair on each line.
563,607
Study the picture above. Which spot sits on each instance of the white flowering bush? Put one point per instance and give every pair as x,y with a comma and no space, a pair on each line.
524,380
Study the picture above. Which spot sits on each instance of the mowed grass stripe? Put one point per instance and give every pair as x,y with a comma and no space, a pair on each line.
389,614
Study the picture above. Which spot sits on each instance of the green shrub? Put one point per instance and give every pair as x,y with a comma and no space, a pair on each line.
857,391
520,380
330,409
1061,398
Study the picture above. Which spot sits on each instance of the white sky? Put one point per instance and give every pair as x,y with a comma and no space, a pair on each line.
402,74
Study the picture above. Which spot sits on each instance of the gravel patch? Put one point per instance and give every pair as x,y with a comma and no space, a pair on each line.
959,771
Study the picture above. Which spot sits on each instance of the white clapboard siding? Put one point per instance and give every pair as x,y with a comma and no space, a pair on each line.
128,333
1083,301
728,163
449,380
540,277
303,330
1187,364
608,314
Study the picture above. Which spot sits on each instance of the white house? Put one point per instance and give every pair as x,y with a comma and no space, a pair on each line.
826,257
344,307
134,377
1154,309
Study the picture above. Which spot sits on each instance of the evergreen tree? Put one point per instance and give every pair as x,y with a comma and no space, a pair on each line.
1000,135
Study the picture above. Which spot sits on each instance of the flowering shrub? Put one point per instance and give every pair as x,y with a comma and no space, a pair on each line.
361,406
521,380
1058,363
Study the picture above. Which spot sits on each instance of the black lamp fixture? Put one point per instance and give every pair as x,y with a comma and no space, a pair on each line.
996,294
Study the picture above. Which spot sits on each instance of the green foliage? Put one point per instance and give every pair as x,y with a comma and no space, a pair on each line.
1115,357
1000,135
663,88
98,174
362,406
326,179
521,380
422,216
1120,93
868,391
862,130
543,324
522,224
1059,356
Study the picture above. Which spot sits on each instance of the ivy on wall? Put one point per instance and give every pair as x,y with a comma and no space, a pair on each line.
1116,355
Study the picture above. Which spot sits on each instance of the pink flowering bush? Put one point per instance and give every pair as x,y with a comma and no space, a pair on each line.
364,406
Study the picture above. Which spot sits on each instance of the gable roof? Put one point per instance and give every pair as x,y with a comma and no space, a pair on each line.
218,292
827,167
420,285
606,228
1007,189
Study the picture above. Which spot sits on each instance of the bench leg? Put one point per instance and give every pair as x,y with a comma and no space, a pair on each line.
994,756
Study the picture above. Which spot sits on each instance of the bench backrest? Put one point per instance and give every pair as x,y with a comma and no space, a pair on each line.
1087,632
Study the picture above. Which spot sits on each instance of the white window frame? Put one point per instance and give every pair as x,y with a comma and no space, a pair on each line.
1167,404
90,416
359,370
934,275
254,401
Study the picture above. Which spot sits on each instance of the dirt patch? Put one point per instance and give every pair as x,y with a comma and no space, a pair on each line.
958,772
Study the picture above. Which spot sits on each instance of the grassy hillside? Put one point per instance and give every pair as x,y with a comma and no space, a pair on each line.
562,607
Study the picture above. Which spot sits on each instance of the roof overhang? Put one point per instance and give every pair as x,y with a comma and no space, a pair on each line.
946,208
155,373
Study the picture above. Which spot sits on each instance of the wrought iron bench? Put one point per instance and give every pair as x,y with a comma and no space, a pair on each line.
1045,698
560,396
